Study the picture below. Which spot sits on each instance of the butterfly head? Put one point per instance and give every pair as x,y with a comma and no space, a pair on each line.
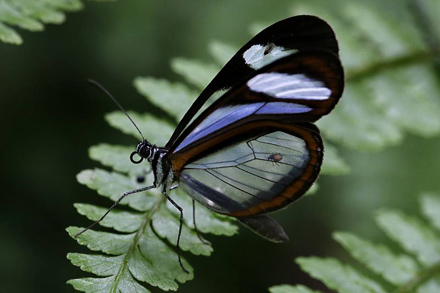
144,150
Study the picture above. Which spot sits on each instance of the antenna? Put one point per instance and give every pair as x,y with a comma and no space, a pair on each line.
98,85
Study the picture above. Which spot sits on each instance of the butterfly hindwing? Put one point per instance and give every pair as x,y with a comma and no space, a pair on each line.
266,227
254,168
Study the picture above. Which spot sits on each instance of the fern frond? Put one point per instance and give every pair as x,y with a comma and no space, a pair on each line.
142,250
392,87
32,15
417,268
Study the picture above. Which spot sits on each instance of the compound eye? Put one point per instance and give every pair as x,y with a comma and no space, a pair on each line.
145,152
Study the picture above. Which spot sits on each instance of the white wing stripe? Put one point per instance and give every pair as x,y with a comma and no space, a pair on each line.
289,86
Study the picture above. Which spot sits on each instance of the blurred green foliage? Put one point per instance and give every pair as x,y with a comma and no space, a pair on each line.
393,272
51,117
32,15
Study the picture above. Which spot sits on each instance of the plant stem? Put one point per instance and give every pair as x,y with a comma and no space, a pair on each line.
432,53
420,13
419,56
422,277
147,220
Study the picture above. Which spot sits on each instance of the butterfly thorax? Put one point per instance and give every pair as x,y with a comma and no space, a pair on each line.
163,173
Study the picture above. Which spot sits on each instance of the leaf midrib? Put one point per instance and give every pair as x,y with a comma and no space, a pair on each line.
422,276
137,237
403,60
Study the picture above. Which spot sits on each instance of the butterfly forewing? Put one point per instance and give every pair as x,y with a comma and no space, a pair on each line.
284,38
298,88
255,168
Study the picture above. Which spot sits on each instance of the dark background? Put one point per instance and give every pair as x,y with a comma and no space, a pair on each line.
50,117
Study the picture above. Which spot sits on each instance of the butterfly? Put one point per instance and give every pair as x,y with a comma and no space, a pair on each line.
248,146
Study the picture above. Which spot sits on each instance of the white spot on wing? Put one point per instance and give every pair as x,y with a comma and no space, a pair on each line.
259,56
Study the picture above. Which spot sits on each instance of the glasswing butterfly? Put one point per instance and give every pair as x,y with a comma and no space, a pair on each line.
255,148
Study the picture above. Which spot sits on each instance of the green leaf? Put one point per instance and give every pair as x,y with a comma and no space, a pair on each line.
68,5
391,88
40,10
222,52
113,185
8,35
10,14
142,253
389,36
138,260
402,272
117,157
337,276
432,7
431,286
291,289
430,207
103,285
413,87
358,123
121,221
412,234
207,222
166,225
195,72
109,243
174,98
380,259
135,255
152,128
30,15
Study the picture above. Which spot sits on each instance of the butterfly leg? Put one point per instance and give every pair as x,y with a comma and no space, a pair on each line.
195,226
114,205
180,229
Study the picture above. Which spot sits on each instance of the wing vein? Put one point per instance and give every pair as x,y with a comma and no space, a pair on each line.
236,187
244,170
